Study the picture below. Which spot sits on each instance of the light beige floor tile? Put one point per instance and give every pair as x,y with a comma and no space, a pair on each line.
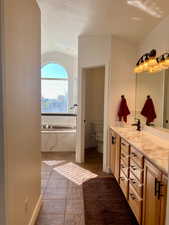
53,207
74,219
51,219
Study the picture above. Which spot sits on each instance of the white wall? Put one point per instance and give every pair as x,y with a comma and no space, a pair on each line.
21,99
69,62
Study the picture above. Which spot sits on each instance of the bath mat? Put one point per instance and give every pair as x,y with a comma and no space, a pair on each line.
105,204
75,173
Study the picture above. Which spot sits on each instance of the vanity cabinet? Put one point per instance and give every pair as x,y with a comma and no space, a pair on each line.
163,199
143,184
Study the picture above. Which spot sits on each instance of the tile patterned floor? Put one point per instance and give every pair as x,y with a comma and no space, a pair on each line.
62,198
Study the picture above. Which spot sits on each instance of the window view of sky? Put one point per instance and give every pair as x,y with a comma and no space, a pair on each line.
54,89
53,70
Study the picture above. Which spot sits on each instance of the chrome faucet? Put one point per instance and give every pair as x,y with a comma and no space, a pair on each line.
138,125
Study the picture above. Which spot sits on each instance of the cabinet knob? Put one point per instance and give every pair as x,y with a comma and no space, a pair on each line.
133,167
132,196
133,181
134,154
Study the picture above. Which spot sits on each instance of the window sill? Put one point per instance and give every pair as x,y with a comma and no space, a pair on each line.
58,114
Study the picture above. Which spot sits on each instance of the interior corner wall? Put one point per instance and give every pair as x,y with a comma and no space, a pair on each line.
93,51
123,79
21,99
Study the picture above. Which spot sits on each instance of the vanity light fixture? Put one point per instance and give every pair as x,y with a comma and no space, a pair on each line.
150,63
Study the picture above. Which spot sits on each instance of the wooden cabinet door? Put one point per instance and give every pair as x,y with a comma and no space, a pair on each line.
163,192
117,159
113,152
115,155
151,202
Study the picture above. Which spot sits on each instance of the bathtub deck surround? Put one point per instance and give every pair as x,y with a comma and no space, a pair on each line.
60,140
58,133
139,162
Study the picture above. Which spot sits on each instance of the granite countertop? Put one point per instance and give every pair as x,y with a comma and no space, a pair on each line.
152,147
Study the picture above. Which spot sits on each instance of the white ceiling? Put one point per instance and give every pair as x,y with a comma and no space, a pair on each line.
64,20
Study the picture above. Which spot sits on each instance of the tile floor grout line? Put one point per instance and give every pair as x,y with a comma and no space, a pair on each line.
66,200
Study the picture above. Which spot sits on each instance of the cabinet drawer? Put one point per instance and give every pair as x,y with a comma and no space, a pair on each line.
124,167
137,186
136,156
124,184
125,147
125,158
136,170
135,203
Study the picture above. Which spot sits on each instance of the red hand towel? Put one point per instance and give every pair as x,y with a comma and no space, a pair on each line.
123,110
148,110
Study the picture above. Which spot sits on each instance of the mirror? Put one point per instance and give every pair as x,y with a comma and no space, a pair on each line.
156,87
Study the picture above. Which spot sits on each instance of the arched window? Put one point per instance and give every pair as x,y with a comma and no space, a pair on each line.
54,89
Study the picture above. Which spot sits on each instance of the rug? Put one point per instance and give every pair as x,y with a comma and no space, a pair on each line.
75,173
105,204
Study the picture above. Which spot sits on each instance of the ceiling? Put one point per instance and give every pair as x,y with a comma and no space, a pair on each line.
64,20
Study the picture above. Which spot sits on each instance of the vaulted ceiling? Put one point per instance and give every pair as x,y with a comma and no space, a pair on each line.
64,20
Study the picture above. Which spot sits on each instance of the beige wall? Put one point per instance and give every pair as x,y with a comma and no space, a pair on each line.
158,38
94,99
2,169
21,77
123,79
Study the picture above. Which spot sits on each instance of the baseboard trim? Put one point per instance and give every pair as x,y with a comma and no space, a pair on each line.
107,170
36,211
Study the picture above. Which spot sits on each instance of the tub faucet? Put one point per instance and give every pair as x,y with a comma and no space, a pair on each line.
138,125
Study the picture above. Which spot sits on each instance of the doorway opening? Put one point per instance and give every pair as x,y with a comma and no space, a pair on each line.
94,85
